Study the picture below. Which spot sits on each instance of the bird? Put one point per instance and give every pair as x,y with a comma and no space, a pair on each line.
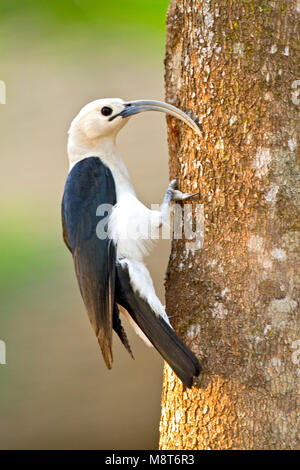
99,209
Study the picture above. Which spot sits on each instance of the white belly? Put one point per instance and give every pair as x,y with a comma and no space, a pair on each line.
130,226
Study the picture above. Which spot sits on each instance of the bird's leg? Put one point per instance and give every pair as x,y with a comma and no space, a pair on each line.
173,194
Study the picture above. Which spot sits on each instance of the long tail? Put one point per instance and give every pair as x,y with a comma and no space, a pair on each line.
180,358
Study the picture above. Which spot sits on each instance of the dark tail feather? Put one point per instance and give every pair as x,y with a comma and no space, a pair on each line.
117,326
180,358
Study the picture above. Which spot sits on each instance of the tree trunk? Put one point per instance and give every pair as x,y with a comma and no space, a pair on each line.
232,66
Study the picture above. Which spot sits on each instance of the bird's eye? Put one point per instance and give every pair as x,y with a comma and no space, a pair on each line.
106,111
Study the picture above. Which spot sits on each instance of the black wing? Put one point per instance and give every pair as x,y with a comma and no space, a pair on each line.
90,184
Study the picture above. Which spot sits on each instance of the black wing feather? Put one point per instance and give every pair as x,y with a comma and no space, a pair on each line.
89,184
118,327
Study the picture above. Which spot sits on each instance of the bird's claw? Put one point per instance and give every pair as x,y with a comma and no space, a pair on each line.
180,196
173,184
177,195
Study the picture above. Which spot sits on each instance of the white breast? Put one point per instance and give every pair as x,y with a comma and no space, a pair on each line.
130,226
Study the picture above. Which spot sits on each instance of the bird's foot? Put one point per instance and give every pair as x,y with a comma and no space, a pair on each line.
177,195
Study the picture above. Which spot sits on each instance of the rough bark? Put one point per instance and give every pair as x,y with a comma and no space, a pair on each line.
232,65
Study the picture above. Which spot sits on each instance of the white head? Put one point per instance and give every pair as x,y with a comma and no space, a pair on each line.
93,131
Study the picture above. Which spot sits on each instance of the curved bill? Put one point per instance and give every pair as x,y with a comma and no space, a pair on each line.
139,106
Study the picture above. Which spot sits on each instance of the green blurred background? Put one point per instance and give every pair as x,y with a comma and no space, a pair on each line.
55,57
